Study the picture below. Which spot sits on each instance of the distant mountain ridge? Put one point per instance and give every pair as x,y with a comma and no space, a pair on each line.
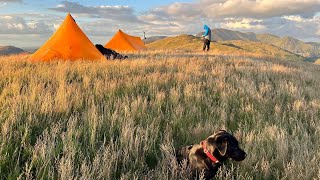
305,49
308,50
221,34
231,47
9,50
153,39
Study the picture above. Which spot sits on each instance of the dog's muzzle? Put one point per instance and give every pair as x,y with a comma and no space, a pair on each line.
239,155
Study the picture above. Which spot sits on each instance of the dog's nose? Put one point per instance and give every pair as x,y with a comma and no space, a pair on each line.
242,155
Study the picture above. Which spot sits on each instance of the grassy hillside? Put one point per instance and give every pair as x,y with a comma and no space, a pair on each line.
123,119
183,42
310,50
233,48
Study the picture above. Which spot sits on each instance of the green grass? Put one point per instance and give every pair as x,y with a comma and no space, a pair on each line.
123,119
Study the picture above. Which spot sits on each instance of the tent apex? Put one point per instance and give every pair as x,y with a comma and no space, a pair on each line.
124,42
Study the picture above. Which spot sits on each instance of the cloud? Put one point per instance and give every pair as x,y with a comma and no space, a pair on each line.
3,4
15,24
281,17
295,26
11,1
299,27
261,8
104,20
243,24
239,8
182,17
116,13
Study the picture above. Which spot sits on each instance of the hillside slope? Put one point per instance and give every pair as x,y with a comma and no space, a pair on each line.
8,50
236,47
296,46
310,50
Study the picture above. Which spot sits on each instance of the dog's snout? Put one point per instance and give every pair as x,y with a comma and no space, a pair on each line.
239,155
242,155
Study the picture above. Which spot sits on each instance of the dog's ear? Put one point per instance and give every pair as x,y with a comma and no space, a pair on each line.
222,145
189,147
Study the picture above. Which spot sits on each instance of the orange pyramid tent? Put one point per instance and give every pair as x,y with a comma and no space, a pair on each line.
68,43
124,42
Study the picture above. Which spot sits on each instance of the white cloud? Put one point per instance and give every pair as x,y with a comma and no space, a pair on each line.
243,24
119,13
294,18
15,24
3,4
281,17
221,9
253,8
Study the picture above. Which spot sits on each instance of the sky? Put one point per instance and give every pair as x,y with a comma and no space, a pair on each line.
29,23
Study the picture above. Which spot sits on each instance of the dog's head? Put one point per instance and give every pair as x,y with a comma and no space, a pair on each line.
226,145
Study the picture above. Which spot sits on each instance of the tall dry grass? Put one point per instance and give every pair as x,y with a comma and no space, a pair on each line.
124,119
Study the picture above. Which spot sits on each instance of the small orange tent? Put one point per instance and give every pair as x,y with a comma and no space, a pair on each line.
68,43
124,42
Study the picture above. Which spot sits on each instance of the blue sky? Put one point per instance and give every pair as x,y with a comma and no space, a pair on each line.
29,23
29,6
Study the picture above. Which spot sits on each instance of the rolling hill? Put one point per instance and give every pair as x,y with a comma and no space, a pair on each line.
219,34
8,50
235,47
309,50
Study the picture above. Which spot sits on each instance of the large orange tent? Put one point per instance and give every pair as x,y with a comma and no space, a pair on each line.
124,42
68,43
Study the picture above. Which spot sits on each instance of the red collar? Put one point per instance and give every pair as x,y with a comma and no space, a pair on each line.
205,150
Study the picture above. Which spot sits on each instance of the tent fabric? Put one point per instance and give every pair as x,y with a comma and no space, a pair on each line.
124,42
68,43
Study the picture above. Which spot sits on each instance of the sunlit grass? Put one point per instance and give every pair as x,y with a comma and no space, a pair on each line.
235,48
123,119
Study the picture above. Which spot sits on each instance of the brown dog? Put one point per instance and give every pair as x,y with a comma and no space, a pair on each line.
211,153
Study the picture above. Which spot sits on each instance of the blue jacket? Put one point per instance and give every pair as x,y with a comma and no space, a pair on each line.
207,32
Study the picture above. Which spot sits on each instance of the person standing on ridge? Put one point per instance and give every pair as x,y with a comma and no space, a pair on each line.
207,38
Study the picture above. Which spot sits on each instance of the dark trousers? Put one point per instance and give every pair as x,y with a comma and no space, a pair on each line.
206,44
